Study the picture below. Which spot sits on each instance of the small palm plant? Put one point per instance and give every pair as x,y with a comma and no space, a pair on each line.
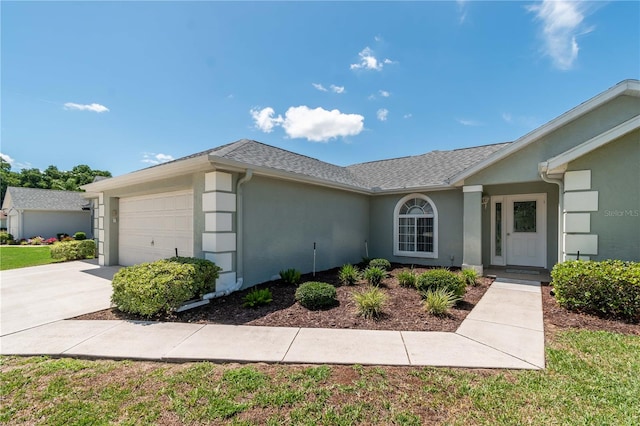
349,274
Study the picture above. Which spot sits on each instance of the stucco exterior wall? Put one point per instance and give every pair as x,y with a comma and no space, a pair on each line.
450,210
48,224
615,174
522,166
524,188
283,219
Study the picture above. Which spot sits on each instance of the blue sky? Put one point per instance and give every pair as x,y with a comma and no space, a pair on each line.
124,85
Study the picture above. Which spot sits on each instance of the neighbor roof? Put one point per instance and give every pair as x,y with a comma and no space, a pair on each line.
45,199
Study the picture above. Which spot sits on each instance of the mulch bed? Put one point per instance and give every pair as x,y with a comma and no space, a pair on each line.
403,310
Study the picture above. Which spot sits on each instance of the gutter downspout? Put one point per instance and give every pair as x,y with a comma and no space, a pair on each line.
543,175
239,247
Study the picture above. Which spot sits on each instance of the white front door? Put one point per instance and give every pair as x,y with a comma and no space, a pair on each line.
519,230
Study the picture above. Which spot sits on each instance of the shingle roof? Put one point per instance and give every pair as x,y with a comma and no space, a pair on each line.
45,199
262,155
432,168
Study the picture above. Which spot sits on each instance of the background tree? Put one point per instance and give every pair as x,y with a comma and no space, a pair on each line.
50,178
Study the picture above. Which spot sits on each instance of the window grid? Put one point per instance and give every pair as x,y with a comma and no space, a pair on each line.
416,227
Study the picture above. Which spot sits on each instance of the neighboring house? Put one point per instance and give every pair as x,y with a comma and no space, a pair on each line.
33,212
3,220
569,188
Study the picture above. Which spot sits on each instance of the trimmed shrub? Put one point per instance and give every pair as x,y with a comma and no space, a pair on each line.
407,278
438,301
470,277
441,278
380,263
158,287
349,274
316,295
257,297
5,237
610,288
374,275
290,276
36,241
370,302
74,250
79,236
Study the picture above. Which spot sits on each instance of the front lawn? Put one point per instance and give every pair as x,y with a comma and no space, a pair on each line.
12,257
592,377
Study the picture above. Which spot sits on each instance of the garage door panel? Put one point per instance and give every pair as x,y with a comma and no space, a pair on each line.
152,227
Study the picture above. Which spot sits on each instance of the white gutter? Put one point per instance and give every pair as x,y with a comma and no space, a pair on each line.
543,168
239,241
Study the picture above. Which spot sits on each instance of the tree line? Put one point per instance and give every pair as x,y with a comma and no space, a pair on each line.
50,178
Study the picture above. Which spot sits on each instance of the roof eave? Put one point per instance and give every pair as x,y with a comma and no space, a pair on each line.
422,188
162,171
626,87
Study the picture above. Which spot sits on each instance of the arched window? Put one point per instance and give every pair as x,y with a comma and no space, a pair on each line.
416,227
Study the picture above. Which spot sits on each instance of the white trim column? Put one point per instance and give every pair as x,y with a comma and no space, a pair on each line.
219,240
472,228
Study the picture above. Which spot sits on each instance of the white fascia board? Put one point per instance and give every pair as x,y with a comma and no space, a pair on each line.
626,87
159,172
594,143
418,189
234,165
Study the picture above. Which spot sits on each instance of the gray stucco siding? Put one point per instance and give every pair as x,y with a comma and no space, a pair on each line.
524,188
522,166
282,220
449,204
615,174
48,224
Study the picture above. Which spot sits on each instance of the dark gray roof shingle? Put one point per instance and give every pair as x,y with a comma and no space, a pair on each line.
262,155
432,168
46,199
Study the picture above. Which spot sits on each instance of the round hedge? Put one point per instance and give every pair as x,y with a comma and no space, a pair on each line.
316,295
380,263
435,279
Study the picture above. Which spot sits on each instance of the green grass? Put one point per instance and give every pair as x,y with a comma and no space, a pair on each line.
591,378
12,257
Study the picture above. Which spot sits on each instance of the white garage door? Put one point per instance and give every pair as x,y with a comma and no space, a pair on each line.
153,226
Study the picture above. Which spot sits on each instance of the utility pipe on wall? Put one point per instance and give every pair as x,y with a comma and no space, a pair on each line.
560,183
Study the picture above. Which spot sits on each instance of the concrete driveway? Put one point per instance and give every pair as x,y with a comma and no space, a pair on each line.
39,295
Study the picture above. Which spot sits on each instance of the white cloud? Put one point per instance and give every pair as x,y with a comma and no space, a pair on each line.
86,107
525,121
462,11
378,38
337,89
382,114
384,93
507,117
369,62
407,115
321,125
6,158
319,86
562,22
316,125
264,119
153,158
468,122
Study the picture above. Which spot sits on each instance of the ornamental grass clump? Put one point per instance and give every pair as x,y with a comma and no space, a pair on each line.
407,278
349,274
439,301
370,302
315,295
374,275
470,277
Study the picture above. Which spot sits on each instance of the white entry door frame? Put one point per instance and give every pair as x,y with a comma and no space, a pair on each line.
519,230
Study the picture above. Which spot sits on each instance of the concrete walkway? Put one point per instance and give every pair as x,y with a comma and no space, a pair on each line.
504,330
